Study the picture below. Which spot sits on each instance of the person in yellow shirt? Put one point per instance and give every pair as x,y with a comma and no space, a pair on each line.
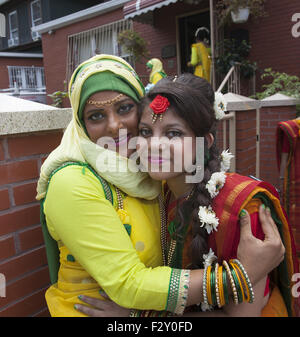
200,54
156,70
102,216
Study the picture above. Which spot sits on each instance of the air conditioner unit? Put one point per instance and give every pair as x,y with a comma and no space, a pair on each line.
13,42
35,36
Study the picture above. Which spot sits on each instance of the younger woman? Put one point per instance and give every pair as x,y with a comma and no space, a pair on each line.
202,218
206,216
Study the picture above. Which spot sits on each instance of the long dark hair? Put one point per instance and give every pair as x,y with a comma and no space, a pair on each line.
192,98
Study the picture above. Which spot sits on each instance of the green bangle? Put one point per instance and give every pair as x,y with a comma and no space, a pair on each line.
225,286
237,285
212,287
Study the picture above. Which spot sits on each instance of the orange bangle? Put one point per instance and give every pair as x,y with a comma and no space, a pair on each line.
221,289
209,299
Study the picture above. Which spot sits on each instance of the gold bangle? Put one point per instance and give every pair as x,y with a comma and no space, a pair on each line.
234,291
249,284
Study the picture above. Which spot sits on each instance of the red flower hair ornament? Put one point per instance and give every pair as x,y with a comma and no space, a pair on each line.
159,106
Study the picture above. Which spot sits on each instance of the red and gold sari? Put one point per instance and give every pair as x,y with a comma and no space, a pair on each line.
240,192
288,141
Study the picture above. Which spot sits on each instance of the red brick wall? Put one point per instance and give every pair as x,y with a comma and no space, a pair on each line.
157,36
271,38
55,47
22,254
272,42
270,116
246,141
10,61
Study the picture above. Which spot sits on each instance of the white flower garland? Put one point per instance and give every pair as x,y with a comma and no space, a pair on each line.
220,105
207,216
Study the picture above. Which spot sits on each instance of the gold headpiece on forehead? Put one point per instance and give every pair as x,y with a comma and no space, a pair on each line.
99,104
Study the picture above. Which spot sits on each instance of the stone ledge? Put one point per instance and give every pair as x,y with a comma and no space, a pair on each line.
19,116
279,100
237,102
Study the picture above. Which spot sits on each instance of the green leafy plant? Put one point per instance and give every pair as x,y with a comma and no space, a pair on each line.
225,7
133,44
235,52
281,83
58,96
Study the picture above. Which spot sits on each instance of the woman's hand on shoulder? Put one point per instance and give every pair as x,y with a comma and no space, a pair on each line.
260,257
101,308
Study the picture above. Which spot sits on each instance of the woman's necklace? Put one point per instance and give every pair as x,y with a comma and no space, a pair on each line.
163,221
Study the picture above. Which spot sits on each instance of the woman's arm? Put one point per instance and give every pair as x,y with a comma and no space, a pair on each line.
78,214
250,249
241,310
194,57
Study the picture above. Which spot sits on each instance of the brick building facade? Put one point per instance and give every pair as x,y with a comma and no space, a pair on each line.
273,44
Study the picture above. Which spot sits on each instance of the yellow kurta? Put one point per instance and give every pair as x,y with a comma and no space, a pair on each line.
201,61
96,249
156,77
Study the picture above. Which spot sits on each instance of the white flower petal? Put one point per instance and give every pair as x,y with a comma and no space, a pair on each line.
209,258
215,183
226,157
208,219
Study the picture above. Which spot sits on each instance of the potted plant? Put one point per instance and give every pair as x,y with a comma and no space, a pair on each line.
133,44
235,52
239,10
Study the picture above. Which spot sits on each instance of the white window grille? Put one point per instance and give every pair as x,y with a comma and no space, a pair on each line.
36,17
100,40
26,78
13,29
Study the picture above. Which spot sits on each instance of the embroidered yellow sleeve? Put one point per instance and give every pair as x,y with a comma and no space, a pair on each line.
78,214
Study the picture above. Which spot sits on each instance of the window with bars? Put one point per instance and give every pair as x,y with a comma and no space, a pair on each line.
28,78
100,40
